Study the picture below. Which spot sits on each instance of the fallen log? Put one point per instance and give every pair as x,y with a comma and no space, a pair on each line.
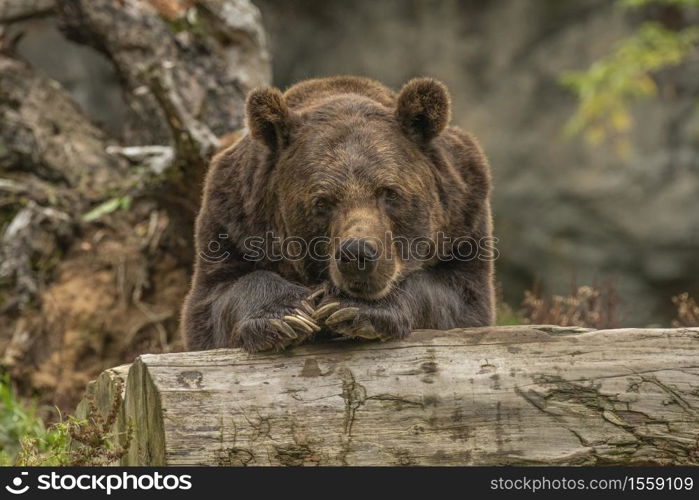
484,396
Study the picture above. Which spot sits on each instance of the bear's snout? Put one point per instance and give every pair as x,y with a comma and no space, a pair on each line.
356,258
362,259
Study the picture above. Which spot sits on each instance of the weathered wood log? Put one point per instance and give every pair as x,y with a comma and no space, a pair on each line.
100,396
486,396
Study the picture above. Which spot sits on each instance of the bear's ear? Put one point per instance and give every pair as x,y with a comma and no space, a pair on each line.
268,118
423,109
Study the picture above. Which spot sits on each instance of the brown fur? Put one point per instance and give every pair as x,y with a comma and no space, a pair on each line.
347,159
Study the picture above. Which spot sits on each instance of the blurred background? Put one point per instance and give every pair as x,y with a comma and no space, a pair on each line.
587,109
614,200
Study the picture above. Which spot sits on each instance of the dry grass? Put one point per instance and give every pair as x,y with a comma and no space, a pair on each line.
88,442
586,306
687,311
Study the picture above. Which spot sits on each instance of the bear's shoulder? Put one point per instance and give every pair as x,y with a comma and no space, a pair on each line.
465,155
309,92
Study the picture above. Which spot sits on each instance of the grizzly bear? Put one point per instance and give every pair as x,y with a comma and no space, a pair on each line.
339,214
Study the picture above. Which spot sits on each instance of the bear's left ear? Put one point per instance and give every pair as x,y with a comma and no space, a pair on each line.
268,118
423,109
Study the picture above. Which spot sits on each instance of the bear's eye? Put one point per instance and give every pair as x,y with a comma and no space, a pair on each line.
320,205
389,194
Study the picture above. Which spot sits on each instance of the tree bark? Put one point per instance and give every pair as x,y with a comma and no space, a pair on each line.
486,396
220,56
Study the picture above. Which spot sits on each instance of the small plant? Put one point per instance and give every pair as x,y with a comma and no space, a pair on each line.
586,306
25,441
94,442
687,311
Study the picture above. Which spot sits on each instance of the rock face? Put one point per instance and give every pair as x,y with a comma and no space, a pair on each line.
564,213
459,397
95,231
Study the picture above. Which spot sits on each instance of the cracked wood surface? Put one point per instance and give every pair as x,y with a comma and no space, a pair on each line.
485,396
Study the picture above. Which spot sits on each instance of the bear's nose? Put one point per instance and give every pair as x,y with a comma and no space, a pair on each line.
356,257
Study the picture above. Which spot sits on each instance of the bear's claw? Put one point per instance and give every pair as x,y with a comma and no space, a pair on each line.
325,310
345,314
296,326
301,314
366,332
299,324
358,323
283,328
315,295
307,307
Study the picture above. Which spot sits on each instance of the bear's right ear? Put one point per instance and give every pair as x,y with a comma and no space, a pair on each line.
268,118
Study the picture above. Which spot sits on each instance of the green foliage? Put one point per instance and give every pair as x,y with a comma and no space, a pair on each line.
608,88
50,447
611,84
26,441
18,423
107,207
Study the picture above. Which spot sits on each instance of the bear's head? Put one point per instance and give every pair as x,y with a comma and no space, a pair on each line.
353,181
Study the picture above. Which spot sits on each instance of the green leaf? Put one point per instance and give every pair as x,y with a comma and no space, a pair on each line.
107,207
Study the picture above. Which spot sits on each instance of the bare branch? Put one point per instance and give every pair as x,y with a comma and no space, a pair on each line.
194,141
